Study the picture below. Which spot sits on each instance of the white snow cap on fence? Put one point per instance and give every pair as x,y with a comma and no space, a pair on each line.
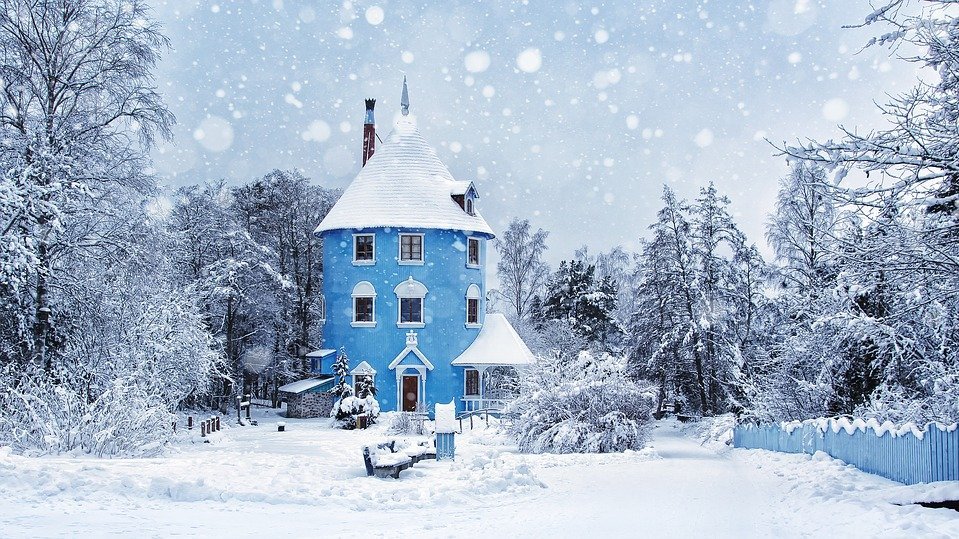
852,425
445,417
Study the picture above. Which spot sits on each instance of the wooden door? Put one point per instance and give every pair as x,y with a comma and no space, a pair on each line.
411,393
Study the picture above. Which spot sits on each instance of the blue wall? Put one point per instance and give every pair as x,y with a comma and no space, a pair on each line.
445,335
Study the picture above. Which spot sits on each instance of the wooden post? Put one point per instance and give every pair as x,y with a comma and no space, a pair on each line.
189,422
217,422
239,399
202,429
249,404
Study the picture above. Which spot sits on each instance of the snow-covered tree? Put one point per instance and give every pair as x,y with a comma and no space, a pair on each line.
79,110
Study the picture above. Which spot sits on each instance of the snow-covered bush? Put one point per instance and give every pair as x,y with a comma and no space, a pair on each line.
347,408
138,348
588,405
43,415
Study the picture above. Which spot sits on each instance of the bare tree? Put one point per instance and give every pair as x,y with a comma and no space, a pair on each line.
521,269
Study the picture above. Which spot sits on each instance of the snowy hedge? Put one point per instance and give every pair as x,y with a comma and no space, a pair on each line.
587,405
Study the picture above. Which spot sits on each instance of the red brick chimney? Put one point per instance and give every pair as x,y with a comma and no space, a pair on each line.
369,132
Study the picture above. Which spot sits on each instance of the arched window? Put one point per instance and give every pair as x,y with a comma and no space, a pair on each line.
411,294
472,305
364,301
469,205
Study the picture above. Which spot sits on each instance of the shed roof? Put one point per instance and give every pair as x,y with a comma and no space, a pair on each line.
403,185
497,344
305,385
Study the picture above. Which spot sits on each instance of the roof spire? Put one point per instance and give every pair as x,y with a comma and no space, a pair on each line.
405,99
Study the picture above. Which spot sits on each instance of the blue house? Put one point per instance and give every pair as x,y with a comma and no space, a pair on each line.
404,258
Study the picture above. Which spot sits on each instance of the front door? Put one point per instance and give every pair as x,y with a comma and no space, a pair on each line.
411,393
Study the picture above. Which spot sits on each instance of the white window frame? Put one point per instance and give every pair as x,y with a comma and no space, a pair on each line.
399,249
364,262
479,382
399,313
473,292
479,253
363,289
410,289
469,205
355,381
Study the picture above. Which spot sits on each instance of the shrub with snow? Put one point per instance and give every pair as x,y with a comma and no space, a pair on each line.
347,408
587,405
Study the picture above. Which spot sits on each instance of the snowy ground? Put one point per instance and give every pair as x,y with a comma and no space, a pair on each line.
310,481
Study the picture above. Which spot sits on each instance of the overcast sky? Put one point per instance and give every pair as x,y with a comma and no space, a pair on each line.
573,114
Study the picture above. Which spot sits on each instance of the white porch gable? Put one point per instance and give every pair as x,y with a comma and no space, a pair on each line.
497,344
411,347
363,369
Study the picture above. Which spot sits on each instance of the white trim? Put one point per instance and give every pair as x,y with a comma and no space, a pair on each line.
473,293
363,368
355,376
363,289
399,313
364,324
479,252
420,385
468,203
472,326
364,262
410,288
406,351
399,249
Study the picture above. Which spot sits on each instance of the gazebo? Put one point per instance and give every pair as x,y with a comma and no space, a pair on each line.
498,349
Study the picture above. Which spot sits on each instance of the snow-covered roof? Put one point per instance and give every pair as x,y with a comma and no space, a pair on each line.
304,385
363,368
323,352
497,344
461,187
403,185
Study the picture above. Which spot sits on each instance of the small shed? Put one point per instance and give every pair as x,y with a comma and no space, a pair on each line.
308,398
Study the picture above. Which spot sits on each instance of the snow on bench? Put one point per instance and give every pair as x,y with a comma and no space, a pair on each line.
390,458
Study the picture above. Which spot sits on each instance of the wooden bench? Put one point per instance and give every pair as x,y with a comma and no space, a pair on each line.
406,457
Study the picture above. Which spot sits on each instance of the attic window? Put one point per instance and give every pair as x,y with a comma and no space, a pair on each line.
469,205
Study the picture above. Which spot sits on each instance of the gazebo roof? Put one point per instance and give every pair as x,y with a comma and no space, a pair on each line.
497,344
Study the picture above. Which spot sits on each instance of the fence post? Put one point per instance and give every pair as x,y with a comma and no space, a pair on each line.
189,422
217,422
202,429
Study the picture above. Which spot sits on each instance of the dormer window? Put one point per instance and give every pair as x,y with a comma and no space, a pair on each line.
469,206
363,249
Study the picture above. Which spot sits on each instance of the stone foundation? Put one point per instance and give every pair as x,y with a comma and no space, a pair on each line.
309,404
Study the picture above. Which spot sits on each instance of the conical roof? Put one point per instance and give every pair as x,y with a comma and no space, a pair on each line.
403,185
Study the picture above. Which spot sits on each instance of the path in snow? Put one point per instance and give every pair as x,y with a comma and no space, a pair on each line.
310,482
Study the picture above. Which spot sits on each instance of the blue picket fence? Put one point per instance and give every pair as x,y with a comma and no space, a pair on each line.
907,456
